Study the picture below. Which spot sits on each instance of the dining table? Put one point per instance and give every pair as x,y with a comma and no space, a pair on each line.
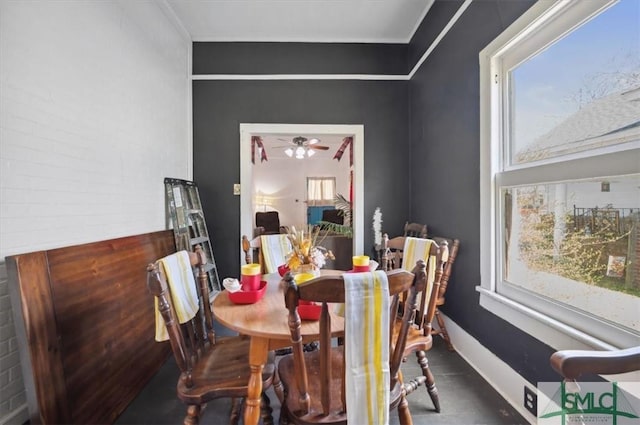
266,322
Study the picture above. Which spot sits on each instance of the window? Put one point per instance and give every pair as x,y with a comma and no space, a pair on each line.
560,179
321,191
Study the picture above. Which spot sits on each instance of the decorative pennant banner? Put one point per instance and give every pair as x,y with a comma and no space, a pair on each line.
347,141
257,140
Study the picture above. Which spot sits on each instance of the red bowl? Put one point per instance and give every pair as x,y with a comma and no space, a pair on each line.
309,310
282,270
248,297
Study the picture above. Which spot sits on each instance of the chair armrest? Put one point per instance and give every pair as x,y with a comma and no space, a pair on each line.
573,363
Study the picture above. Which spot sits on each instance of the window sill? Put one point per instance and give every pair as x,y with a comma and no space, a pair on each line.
550,331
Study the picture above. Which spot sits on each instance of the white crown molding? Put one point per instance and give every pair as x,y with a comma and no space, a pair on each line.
440,36
369,77
297,77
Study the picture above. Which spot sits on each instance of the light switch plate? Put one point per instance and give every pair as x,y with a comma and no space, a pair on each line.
236,188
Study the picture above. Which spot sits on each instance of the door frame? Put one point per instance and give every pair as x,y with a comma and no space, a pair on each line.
246,170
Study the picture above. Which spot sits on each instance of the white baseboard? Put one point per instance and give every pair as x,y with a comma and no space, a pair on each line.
506,381
16,417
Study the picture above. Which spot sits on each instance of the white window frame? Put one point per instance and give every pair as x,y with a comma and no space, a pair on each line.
551,323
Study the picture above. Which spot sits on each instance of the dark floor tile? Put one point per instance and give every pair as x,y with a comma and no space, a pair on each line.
465,397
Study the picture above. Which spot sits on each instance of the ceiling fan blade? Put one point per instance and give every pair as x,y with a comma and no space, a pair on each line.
319,147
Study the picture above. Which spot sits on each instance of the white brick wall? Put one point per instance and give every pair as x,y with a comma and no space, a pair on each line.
94,112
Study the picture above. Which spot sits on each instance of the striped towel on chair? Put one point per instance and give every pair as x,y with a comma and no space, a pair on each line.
177,270
274,250
367,347
418,249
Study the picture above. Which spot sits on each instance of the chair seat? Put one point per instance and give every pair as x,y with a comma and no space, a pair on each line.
416,339
223,371
286,372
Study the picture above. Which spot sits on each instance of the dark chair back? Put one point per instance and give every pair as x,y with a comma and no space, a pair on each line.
210,367
333,216
269,221
315,381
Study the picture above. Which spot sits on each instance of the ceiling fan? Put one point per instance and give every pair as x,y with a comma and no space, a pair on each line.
301,146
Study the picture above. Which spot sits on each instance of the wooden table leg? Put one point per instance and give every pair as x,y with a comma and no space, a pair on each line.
257,359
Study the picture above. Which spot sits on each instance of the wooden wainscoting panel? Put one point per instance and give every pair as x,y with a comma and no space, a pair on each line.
91,303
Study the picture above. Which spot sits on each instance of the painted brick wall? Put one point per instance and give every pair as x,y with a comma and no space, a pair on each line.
12,396
94,112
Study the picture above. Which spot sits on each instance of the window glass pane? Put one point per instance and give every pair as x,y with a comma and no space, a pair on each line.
321,190
577,243
581,92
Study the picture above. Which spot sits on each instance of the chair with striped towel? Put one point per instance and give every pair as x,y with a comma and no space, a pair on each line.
273,251
211,367
420,338
454,247
358,382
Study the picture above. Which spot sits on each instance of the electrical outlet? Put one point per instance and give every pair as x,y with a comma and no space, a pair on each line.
531,401
236,189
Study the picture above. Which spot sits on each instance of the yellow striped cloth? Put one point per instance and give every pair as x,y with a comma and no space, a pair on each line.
274,250
367,347
418,249
182,286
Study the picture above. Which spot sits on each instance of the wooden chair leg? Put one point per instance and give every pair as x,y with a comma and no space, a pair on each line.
278,388
430,381
404,415
193,415
235,413
284,420
443,331
265,410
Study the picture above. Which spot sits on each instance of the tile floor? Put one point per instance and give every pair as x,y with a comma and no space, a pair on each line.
465,398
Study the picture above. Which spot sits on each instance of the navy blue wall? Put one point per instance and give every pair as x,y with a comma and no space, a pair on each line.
421,142
220,106
445,141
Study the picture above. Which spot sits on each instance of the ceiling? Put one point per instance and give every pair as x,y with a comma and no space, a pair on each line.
346,21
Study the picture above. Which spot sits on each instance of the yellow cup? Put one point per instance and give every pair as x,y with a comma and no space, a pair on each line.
361,263
250,277
251,269
360,260
303,277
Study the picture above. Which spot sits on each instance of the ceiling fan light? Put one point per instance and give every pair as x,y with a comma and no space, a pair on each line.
289,152
310,152
299,151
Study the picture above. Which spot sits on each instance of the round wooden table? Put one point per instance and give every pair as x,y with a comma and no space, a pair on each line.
266,322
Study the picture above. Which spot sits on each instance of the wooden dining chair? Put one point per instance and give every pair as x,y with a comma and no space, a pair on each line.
453,246
420,339
415,230
211,367
391,258
270,251
392,247
315,382
572,364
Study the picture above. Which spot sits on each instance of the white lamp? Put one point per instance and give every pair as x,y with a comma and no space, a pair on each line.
289,152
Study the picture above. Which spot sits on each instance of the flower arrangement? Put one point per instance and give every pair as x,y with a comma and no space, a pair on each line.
377,228
306,250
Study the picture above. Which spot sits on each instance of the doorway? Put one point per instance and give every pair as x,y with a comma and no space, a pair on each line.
248,196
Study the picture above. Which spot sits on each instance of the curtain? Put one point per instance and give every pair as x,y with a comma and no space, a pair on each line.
321,191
